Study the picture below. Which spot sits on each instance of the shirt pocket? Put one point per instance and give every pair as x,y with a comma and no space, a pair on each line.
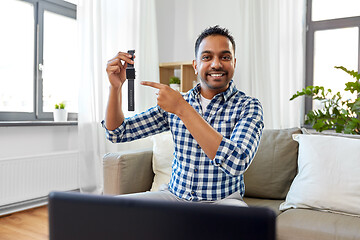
224,126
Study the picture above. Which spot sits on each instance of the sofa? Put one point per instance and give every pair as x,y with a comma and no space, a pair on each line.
308,179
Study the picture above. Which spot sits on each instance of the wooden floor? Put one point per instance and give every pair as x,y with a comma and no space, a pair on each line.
30,224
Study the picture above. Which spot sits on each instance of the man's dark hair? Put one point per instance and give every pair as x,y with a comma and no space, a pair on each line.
215,30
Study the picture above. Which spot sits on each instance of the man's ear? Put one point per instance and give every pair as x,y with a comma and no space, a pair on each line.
195,66
234,62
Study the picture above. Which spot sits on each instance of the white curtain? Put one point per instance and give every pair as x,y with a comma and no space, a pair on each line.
105,28
271,57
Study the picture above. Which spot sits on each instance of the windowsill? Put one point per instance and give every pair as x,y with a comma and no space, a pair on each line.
36,123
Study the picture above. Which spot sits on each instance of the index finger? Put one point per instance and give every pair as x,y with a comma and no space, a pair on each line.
125,57
152,84
124,54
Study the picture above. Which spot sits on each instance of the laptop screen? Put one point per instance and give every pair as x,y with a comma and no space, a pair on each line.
83,217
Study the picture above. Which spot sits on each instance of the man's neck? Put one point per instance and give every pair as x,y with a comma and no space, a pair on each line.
202,95
210,93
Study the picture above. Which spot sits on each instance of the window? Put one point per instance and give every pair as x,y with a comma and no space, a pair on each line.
333,39
38,59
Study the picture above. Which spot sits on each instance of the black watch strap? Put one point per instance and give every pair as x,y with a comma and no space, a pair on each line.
130,76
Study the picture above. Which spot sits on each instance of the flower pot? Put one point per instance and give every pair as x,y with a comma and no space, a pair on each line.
60,115
175,86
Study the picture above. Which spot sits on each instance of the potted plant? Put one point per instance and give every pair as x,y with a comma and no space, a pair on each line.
60,113
175,83
336,113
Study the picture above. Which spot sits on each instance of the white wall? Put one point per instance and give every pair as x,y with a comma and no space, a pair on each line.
36,140
181,21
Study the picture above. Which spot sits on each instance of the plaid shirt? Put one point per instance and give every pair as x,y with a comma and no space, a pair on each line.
195,177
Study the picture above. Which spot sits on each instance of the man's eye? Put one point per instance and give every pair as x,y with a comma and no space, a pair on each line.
205,58
226,57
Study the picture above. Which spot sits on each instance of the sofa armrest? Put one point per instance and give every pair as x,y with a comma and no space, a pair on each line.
127,172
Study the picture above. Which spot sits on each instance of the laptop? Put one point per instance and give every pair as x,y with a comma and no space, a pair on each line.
85,217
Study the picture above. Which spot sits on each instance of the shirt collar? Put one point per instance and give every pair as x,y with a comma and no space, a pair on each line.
226,95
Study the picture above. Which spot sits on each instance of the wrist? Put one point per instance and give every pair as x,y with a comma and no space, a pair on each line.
115,90
182,108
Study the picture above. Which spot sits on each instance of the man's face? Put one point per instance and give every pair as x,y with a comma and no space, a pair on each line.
215,63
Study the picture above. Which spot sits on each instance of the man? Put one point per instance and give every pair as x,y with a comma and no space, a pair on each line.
216,128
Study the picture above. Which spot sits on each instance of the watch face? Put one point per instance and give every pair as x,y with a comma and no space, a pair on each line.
130,73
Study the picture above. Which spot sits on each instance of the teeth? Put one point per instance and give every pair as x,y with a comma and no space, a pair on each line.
216,75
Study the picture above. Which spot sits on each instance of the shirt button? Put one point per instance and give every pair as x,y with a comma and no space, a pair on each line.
198,146
192,192
195,170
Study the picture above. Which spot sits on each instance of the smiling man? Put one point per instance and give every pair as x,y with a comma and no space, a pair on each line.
216,128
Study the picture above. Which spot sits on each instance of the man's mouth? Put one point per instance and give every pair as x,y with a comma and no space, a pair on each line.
216,74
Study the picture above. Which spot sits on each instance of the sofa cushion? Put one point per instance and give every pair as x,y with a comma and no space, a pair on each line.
163,149
127,172
296,224
273,204
328,177
274,165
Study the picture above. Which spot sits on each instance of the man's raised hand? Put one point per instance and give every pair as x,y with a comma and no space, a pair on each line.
116,69
168,99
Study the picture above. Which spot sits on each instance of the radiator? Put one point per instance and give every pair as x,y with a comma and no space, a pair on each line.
32,177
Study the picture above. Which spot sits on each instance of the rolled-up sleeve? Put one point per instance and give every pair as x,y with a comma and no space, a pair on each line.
235,154
142,125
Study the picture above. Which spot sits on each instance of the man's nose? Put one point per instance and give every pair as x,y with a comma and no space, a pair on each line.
216,63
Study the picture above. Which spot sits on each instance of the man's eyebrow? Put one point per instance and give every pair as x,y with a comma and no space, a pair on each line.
226,51
210,52
206,51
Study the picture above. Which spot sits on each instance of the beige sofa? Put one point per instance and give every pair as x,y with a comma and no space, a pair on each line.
267,183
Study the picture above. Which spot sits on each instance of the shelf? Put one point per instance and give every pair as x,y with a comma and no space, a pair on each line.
187,74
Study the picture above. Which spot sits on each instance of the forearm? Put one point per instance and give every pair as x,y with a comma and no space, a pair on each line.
172,101
114,114
206,136
236,153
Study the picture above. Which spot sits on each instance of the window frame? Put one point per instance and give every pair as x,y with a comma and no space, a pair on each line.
311,28
40,6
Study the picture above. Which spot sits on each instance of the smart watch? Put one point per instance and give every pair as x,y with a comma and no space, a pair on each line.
130,76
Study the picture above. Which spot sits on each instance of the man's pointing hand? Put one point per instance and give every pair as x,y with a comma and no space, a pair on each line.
168,99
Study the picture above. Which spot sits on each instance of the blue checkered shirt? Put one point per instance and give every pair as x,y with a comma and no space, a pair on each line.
195,177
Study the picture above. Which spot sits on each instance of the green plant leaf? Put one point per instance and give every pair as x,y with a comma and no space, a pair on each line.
336,113
352,86
174,80
352,72
62,105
